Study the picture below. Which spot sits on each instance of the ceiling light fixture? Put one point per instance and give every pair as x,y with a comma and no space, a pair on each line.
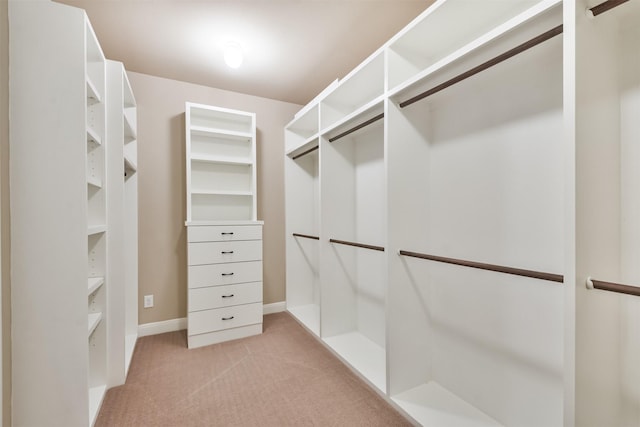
233,54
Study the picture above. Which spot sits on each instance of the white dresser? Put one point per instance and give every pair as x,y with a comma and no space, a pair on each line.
225,281
224,237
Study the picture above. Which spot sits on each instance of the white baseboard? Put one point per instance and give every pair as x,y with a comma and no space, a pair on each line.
155,328
173,325
275,307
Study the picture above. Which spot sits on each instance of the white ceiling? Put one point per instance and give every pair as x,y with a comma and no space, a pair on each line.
293,48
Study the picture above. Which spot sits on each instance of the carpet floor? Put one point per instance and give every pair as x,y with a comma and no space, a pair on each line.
283,377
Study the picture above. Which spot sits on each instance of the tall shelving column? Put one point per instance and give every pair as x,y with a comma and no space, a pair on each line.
122,242
59,215
130,158
96,219
224,237
302,189
602,85
353,193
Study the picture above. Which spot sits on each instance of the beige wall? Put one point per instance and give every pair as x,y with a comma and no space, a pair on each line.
162,195
4,208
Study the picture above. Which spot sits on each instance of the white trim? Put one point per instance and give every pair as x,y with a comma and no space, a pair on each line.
155,328
172,325
275,307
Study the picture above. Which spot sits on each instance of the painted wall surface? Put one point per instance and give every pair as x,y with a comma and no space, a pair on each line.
162,188
5,289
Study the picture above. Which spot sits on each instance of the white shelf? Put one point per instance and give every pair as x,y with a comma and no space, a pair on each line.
95,182
220,160
96,229
93,137
222,193
94,283
363,113
433,405
363,355
202,130
96,395
130,167
308,315
92,92
307,144
129,128
93,322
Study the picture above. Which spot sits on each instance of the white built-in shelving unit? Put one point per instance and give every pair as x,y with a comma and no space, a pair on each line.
123,222
223,234
492,135
603,79
62,179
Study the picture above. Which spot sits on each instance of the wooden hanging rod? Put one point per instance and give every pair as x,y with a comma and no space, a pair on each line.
491,267
603,7
613,287
306,236
358,245
357,127
490,63
310,150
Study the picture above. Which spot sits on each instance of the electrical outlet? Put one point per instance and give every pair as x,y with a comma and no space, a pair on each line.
148,301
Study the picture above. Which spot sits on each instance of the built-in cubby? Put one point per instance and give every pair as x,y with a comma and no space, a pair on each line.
356,92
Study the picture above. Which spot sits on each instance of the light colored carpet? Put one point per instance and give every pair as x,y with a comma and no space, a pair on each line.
283,377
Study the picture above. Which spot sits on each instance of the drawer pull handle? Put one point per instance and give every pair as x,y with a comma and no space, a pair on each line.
227,274
227,318
229,233
227,296
227,252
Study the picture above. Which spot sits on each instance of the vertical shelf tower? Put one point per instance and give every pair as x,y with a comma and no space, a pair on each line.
122,242
223,234
74,250
58,202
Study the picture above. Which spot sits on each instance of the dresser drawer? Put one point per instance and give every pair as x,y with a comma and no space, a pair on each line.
218,319
222,252
224,296
224,274
222,233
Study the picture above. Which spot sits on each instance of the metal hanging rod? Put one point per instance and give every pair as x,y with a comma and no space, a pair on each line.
491,267
613,287
357,127
358,245
306,236
607,5
311,150
490,63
